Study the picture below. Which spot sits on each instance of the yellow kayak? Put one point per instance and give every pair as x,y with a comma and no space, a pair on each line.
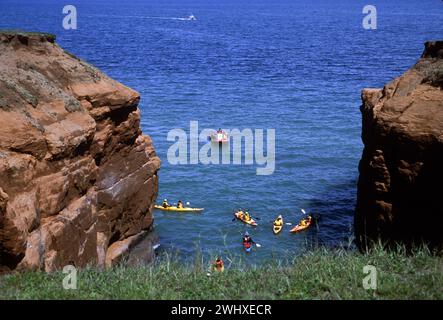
175,209
240,216
277,228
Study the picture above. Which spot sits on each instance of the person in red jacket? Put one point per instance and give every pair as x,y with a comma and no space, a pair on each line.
218,265
247,241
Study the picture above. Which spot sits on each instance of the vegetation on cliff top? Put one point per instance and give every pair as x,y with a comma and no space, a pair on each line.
48,36
321,274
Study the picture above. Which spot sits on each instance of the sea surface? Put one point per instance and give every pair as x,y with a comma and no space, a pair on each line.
294,66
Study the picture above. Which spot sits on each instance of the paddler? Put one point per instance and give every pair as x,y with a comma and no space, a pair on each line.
247,240
304,222
240,214
218,265
247,216
179,204
165,203
279,221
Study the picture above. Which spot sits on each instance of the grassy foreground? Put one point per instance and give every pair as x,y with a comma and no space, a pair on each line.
320,274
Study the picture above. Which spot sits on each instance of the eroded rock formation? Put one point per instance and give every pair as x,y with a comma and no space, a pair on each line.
400,188
78,179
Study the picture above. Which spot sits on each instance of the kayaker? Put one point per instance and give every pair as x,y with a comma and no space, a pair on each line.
179,204
247,216
218,264
247,240
309,220
165,203
305,222
279,221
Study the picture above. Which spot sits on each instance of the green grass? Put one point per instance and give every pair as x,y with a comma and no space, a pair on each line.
12,32
320,274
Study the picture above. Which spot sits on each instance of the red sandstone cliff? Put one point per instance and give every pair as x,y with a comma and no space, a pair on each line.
78,179
400,188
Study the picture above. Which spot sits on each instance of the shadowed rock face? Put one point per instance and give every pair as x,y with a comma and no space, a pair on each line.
400,188
78,179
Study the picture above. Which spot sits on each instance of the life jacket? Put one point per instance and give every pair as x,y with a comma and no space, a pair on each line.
278,222
247,242
219,264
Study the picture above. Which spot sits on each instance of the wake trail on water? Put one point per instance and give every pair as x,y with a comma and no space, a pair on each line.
188,18
171,18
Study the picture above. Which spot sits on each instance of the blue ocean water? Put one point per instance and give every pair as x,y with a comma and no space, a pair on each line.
294,66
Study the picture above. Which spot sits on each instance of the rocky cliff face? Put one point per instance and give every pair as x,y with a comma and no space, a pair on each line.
400,188
78,179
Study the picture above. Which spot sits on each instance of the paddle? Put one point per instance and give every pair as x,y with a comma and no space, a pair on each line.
314,217
305,213
258,245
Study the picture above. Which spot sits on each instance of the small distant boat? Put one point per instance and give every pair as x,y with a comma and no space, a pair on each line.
220,137
191,17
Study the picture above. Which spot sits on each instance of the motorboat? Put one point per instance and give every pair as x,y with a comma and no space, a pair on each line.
220,137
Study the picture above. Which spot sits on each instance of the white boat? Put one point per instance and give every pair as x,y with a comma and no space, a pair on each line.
220,137
191,17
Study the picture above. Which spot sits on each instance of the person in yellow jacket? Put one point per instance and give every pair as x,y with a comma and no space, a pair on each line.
279,221
305,222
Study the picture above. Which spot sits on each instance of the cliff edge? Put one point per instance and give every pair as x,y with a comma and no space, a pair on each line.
78,179
400,193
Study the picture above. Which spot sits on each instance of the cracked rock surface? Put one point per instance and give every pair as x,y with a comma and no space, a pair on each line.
400,192
78,179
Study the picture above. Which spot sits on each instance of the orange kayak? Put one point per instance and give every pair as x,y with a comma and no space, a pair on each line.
299,227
